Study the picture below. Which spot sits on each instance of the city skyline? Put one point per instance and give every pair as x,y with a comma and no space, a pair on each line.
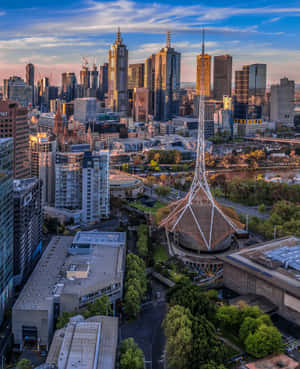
54,38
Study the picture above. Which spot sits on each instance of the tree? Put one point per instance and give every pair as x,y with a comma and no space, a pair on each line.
132,301
265,341
228,317
189,295
212,365
163,190
24,364
64,319
206,347
131,356
178,331
101,306
262,208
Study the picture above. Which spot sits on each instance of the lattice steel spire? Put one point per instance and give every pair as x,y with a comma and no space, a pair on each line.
198,215
168,43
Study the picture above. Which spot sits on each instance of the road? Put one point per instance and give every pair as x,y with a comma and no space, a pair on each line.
147,330
243,209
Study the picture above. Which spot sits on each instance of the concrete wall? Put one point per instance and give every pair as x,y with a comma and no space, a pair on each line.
245,283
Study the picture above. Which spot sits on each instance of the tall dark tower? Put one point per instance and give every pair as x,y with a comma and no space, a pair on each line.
222,76
30,78
103,80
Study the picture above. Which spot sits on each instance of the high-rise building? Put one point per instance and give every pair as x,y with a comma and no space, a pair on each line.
149,81
140,104
95,186
94,77
85,109
283,101
42,148
30,78
85,76
206,74
6,223
28,223
118,76
257,79
68,180
241,92
16,89
135,76
68,84
222,76
13,123
166,81
103,80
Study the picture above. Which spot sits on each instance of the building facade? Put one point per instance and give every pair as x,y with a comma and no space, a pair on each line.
13,123
283,101
30,78
6,223
28,223
68,180
16,89
135,76
118,76
42,149
103,80
68,83
95,186
222,76
166,82
206,75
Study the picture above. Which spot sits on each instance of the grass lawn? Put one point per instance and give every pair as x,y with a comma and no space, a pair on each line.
160,254
175,276
147,209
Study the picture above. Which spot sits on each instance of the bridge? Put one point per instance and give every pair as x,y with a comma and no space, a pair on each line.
274,139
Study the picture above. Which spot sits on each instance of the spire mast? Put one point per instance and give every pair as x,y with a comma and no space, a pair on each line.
168,44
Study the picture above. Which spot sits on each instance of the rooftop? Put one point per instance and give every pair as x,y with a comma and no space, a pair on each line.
103,264
275,260
89,344
24,184
100,238
278,361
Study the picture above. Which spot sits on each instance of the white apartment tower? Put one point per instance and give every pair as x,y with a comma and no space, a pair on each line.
95,186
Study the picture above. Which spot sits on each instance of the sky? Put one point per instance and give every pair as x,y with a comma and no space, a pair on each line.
56,34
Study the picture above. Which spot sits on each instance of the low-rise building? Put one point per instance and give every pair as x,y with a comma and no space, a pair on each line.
271,270
124,185
88,344
71,274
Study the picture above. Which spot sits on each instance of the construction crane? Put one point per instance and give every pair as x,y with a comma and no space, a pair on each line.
85,61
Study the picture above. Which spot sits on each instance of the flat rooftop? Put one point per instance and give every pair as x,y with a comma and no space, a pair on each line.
49,278
100,238
85,344
268,260
41,284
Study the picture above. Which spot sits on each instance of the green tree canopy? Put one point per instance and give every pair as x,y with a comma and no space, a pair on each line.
24,364
178,331
265,341
131,356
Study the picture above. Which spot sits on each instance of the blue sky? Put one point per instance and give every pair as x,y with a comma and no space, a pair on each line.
55,36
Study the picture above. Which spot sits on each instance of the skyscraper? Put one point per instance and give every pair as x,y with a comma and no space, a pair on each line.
85,75
94,77
149,81
135,76
241,92
13,123
6,223
68,84
283,101
166,81
28,223
42,148
118,76
257,80
68,180
206,76
30,78
222,76
95,186
16,89
103,80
